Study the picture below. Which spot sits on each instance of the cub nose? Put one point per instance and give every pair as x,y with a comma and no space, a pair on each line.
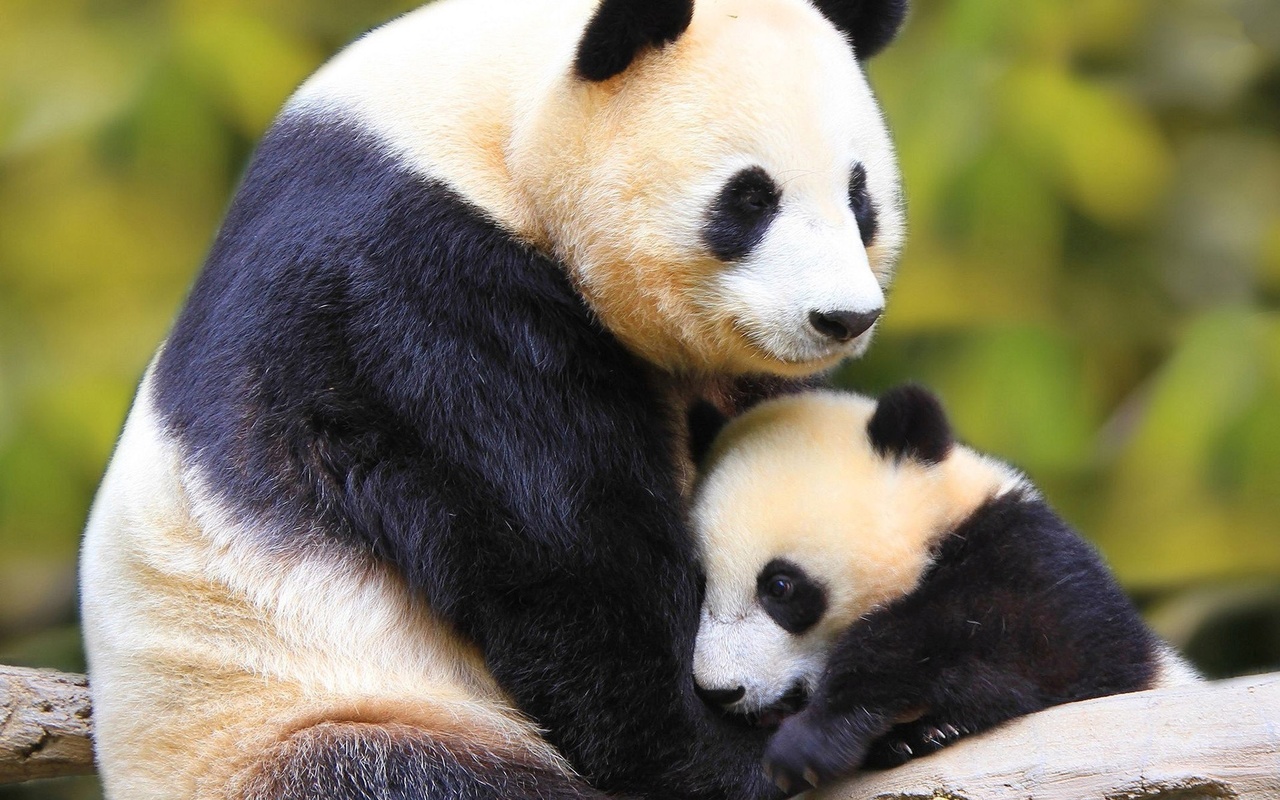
720,697
843,325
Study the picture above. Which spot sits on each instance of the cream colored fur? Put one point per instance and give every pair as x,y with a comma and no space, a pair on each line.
1173,670
796,478
207,644
615,178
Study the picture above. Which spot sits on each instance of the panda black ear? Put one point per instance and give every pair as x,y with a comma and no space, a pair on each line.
620,29
870,24
705,424
909,423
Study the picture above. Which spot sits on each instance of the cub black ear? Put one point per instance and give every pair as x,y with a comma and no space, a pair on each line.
870,24
620,29
705,424
909,423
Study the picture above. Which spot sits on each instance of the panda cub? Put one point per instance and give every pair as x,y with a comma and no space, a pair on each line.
911,590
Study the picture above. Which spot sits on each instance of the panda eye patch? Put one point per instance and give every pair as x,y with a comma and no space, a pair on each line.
863,209
789,596
740,214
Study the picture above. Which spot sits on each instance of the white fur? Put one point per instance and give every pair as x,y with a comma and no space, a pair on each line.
1173,670
796,478
748,649
205,640
444,86
802,265
615,179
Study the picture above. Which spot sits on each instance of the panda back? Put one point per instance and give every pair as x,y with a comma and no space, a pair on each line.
443,87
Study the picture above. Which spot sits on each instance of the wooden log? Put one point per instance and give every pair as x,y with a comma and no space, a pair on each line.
45,726
1212,740
1204,742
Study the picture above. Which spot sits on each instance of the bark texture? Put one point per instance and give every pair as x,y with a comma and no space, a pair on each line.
1204,742
1207,742
45,726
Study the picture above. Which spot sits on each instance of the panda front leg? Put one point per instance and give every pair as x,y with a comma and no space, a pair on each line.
816,747
879,675
966,698
913,739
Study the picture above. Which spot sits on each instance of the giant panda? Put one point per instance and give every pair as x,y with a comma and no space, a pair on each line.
398,509
875,590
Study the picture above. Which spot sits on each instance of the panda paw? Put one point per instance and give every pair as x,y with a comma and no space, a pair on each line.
912,740
806,753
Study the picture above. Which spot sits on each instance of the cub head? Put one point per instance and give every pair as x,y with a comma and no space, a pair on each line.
719,180
811,511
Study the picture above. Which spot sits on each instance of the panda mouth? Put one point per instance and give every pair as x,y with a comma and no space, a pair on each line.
807,353
772,716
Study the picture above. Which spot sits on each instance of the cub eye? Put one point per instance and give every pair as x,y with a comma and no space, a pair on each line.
780,587
863,209
790,596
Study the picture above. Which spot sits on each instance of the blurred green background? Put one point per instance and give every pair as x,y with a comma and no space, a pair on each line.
1092,280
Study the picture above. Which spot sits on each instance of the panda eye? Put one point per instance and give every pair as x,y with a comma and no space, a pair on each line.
790,596
863,209
755,198
752,191
741,213
780,587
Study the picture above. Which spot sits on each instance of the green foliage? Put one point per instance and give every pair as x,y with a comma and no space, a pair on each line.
1092,280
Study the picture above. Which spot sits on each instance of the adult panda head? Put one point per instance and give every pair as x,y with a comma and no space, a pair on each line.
730,199
715,175
812,511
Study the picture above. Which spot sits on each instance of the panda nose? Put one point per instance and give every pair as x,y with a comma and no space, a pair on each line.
720,697
843,325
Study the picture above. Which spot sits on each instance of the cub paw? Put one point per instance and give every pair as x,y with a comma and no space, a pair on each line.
912,740
805,753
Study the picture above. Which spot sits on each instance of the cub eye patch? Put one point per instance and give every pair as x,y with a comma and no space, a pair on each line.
740,214
789,596
863,209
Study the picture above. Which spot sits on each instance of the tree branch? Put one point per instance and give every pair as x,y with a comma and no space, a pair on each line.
1212,740
44,725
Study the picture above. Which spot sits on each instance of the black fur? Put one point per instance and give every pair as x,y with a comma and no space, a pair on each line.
620,29
705,419
864,209
800,606
749,390
870,24
741,213
705,423
355,761
909,422
1016,614
367,355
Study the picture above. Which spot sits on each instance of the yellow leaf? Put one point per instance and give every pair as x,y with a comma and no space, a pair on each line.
1102,147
